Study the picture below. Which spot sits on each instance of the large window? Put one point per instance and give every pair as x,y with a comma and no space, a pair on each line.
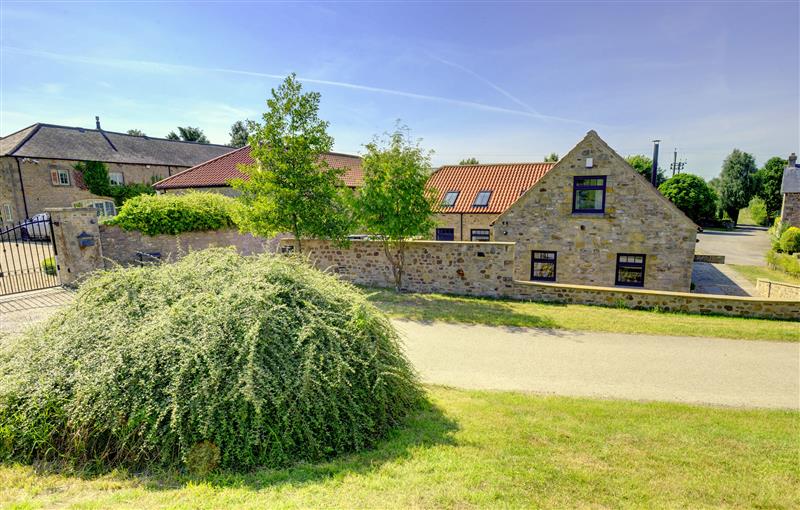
630,270
103,207
445,234
479,234
589,194
482,199
543,266
450,199
59,177
116,178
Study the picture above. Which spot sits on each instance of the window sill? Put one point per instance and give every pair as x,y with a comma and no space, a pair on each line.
589,214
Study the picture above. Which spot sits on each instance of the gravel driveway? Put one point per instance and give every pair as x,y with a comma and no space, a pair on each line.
639,367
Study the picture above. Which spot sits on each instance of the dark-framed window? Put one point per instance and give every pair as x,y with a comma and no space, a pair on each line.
482,198
445,234
543,266
479,234
450,199
589,194
630,270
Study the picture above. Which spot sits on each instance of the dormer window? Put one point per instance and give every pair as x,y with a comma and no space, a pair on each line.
450,199
482,199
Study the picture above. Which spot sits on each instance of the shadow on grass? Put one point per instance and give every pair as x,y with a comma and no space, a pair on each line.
425,428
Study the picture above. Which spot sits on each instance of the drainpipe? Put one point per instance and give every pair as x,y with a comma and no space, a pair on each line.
22,188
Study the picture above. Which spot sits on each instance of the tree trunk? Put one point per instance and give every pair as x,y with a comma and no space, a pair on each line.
296,233
395,263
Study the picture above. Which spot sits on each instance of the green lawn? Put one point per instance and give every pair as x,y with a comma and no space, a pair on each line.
495,312
753,273
486,449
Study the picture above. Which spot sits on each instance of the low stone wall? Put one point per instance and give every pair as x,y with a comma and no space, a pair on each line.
125,247
486,269
711,259
777,290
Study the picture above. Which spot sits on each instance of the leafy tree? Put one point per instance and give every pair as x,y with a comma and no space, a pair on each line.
238,134
644,166
136,132
188,134
737,183
291,189
691,195
469,161
552,157
769,179
394,202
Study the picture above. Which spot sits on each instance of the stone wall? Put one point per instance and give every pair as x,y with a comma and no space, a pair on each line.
487,269
777,290
790,209
636,220
462,224
126,247
77,241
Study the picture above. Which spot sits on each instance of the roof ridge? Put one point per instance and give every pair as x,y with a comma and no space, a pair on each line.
500,164
148,137
201,164
34,129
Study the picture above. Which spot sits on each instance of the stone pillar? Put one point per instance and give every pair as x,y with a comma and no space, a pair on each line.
77,239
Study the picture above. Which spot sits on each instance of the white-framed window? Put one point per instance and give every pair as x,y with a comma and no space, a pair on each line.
103,207
7,214
116,178
59,177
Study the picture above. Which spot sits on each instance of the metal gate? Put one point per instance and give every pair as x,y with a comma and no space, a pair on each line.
28,256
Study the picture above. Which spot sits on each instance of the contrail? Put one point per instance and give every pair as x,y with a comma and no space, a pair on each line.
153,66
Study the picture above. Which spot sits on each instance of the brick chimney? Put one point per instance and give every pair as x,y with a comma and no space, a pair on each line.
792,160
97,122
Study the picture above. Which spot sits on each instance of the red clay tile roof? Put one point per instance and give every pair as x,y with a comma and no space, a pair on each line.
219,171
506,181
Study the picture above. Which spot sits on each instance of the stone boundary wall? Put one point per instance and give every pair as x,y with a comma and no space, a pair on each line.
123,247
486,269
777,290
711,259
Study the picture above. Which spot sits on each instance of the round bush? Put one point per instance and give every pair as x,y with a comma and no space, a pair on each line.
790,240
175,214
216,360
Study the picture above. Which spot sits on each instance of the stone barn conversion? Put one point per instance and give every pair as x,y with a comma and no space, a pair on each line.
790,188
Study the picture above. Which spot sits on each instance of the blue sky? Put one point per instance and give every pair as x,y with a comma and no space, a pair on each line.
500,82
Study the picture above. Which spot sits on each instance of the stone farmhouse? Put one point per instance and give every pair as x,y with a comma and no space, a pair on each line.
790,188
36,165
215,175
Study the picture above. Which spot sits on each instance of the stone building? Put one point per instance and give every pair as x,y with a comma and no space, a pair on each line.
790,188
472,196
36,165
593,220
216,174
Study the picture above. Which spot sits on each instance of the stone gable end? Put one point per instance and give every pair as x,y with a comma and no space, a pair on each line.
636,220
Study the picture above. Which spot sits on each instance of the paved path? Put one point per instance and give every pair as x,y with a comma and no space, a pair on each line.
639,367
745,245
18,311
720,279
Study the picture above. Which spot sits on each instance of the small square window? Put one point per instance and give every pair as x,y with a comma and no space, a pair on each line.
59,177
630,270
482,199
479,234
445,234
543,266
7,214
450,199
589,194
116,178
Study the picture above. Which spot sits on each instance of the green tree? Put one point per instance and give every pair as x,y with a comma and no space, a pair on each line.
737,183
290,187
691,195
95,177
769,181
551,158
644,166
136,132
469,161
238,134
188,134
395,203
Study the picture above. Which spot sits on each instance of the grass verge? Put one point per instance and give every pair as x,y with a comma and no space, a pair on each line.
752,273
496,312
489,449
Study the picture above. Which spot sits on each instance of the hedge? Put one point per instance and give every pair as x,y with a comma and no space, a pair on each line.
787,263
174,214
790,240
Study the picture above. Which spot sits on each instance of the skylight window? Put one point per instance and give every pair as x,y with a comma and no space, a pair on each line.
450,199
482,200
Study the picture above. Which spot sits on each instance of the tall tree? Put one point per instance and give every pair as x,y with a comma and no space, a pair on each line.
469,161
238,134
291,188
394,202
172,135
769,182
691,195
188,134
551,158
644,166
737,183
136,132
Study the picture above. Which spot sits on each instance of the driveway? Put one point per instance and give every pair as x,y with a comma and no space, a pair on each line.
607,365
745,245
720,279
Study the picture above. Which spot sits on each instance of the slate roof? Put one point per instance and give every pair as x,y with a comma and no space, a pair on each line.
80,144
791,180
219,171
506,181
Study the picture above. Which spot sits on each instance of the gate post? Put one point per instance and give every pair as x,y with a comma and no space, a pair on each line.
76,234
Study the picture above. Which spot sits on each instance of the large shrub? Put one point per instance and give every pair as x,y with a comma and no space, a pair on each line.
174,214
790,240
244,361
789,264
691,195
